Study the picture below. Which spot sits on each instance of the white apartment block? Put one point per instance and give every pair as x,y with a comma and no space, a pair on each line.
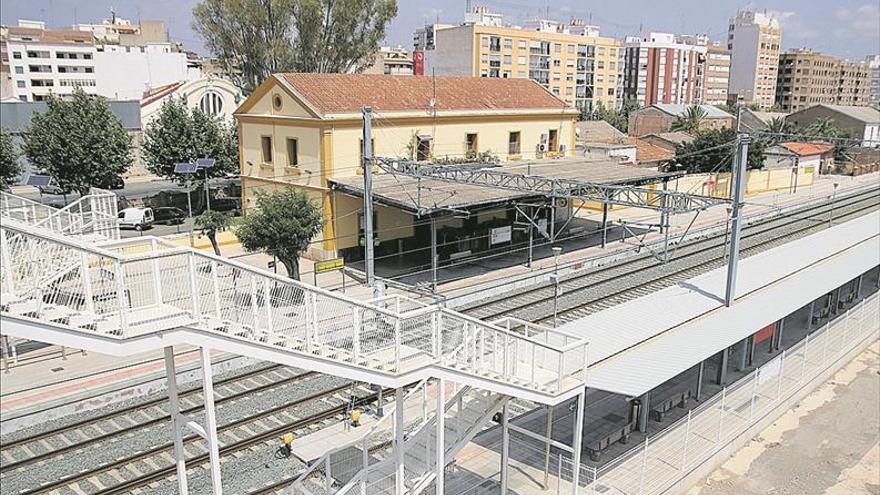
754,39
55,61
873,62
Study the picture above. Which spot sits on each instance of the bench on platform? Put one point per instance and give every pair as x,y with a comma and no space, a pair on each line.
605,431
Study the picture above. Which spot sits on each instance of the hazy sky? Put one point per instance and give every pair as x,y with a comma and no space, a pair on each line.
845,28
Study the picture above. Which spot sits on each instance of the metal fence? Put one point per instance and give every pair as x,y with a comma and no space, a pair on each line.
664,458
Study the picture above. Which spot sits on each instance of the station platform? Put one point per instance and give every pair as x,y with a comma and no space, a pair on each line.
640,344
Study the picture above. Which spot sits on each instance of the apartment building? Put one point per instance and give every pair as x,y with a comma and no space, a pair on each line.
571,59
717,74
807,78
753,39
664,68
55,61
392,60
873,63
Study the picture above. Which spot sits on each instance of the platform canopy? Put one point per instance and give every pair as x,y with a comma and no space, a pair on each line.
423,193
640,344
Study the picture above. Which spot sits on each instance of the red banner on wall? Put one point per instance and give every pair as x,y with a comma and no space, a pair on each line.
419,63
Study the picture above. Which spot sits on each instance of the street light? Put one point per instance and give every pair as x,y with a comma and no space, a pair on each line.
557,250
188,169
205,164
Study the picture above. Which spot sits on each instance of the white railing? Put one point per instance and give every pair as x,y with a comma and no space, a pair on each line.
94,213
666,457
130,288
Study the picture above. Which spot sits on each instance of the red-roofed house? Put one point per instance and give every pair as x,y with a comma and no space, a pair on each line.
306,129
808,157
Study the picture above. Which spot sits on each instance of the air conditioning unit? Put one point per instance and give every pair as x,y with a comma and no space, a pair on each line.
542,147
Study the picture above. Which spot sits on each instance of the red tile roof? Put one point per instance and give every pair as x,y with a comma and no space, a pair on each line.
648,153
153,94
348,93
808,149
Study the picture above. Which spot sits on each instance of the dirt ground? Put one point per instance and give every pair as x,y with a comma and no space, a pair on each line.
826,445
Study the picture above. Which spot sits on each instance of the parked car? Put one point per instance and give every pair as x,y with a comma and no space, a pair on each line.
136,218
168,215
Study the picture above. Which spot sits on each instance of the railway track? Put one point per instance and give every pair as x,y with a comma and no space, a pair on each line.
18,453
583,294
599,288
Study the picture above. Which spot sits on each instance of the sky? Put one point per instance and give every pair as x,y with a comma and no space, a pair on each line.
844,28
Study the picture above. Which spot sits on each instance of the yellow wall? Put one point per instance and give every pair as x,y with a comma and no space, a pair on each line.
331,148
449,138
391,223
758,181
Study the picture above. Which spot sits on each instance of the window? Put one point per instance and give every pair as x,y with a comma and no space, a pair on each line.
292,152
513,143
19,70
521,44
570,48
16,55
508,59
423,151
557,47
20,84
521,60
470,145
89,70
266,143
495,44
87,56
508,44
211,103
610,91
552,140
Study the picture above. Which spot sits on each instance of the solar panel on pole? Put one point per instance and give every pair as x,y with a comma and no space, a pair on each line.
185,168
205,162
38,180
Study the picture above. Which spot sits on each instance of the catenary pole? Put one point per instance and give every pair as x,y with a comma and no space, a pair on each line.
368,196
736,225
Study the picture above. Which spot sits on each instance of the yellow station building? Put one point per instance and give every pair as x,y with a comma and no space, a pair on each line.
305,131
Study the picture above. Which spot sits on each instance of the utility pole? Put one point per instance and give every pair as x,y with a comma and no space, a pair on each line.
739,182
368,195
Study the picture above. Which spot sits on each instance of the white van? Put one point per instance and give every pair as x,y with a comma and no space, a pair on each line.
136,218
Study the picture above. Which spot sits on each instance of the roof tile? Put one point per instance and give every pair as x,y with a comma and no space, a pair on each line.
348,93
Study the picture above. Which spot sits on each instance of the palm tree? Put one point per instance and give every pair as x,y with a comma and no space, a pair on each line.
690,121
822,128
776,130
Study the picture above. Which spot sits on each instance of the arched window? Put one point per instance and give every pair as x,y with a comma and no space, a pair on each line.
211,103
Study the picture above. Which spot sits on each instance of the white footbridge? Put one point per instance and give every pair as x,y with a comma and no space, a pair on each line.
67,279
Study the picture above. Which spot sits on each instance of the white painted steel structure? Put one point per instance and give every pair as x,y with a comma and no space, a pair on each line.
633,345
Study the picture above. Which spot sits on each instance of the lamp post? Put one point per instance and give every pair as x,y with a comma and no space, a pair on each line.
188,169
557,250
205,164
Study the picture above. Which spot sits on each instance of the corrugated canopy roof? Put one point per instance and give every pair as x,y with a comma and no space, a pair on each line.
640,344
434,195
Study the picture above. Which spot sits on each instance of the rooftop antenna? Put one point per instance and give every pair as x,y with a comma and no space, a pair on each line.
112,15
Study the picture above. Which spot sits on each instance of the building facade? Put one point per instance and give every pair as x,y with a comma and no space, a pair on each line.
391,60
717,74
659,117
859,122
873,63
215,96
808,78
664,68
305,130
571,60
55,61
753,39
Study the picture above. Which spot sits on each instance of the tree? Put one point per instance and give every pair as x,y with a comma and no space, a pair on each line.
283,225
253,39
619,119
691,121
712,150
179,135
211,222
79,142
776,130
822,128
9,167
